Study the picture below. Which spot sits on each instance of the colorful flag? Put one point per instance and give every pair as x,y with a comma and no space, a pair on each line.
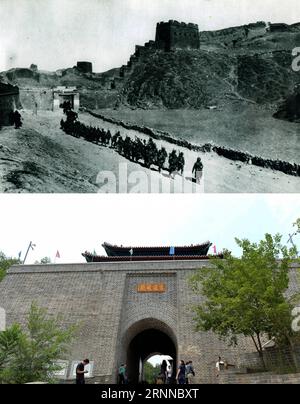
215,249
57,254
172,251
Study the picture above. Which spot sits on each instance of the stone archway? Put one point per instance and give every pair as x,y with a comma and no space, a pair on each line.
144,339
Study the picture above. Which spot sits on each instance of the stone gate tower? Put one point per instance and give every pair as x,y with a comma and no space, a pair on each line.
129,305
174,35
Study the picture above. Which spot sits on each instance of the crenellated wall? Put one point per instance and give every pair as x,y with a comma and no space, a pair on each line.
170,36
112,312
174,35
230,36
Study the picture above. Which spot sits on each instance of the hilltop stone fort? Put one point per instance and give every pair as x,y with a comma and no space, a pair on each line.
85,67
131,304
177,35
170,36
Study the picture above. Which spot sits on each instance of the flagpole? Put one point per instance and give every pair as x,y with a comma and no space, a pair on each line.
30,246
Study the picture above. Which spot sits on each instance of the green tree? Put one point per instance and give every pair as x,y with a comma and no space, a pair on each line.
45,260
245,296
150,372
9,342
6,263
30,355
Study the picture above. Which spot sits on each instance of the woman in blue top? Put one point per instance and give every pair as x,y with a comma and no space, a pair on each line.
180,377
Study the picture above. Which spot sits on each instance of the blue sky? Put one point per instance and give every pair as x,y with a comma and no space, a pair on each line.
56,33
72,224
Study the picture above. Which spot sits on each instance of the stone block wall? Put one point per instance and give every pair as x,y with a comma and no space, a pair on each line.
258,378
102,299
40,98
174,35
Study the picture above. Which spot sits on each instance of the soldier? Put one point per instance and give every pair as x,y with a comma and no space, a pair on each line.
17,119
114,139
198,170
71,116
108,138
172,162
120,145
161,158
150,155
135,152
180,163
127,147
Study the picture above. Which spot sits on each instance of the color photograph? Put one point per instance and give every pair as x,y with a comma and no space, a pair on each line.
131,96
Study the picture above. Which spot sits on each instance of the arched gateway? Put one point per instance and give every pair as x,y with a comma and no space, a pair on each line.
131,304
144,339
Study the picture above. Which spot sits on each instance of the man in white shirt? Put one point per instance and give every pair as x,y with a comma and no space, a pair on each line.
218,365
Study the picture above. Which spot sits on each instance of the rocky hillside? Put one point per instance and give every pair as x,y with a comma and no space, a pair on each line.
251,62
195,79
178,80
290,108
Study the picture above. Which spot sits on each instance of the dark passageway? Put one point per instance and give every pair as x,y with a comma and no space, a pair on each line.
143,346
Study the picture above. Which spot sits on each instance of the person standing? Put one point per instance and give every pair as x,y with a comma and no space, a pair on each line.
80,371
190,373
180,162
17,119
172,162
122,374
198,170
163,371
218,365
180,377
169,375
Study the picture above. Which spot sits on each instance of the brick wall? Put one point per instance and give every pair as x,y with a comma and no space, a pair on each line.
103,299
259,378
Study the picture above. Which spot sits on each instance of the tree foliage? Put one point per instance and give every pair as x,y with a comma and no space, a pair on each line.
44,260
151,372
30,355
6,263
245,296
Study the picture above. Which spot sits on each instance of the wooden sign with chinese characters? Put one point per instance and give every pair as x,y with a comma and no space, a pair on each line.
151,288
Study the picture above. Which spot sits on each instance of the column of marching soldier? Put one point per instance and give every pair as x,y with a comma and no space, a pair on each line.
136,150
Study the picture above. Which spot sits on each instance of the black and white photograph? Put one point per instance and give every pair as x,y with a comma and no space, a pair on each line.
140,96
149,196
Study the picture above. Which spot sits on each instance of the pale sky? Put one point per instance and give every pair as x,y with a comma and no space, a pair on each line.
57,33
73,224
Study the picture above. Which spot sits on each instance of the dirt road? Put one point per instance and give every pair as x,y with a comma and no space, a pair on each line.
39,157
